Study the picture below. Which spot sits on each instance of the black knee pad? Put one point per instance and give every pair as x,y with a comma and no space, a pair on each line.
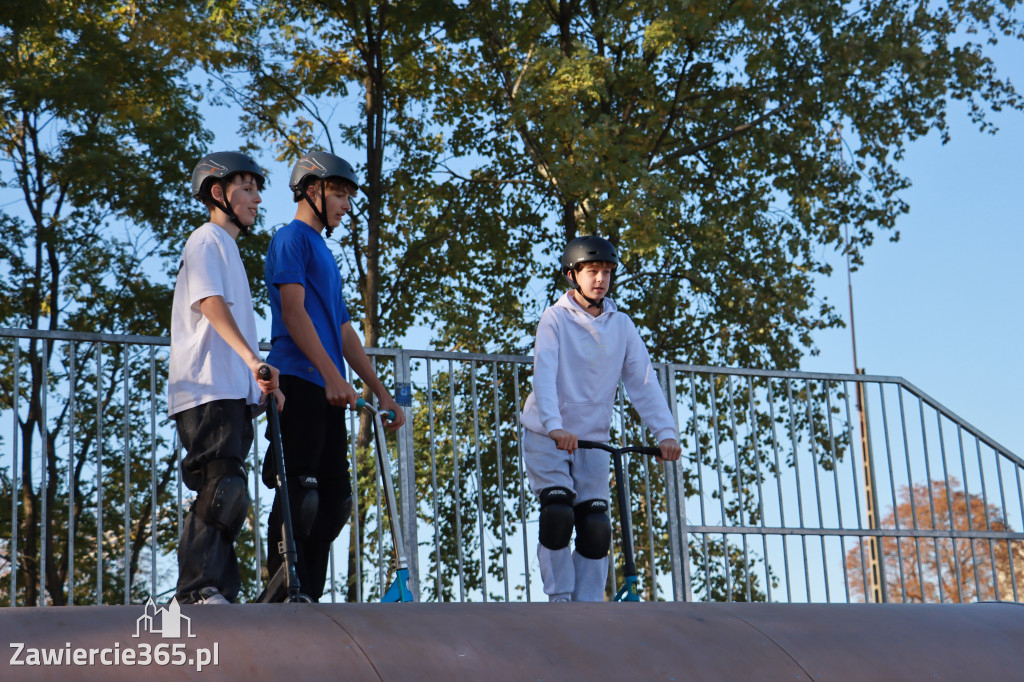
334,516
556,517
305,498
593,529
223,501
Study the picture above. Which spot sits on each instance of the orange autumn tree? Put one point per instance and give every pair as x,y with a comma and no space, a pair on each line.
943,569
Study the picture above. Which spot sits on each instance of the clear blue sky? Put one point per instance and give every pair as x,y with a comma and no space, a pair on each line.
934,307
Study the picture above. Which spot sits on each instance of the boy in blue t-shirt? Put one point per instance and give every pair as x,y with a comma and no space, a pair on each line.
312,337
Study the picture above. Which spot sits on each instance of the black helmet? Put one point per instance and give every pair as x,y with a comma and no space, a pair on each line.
220,165
588,249
320,165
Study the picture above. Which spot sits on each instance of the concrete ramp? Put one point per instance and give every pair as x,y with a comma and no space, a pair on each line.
557,642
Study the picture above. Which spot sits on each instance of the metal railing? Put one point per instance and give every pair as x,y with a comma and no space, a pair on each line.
793,486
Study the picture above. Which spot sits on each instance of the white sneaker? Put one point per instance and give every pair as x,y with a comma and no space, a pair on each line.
560,598
211,595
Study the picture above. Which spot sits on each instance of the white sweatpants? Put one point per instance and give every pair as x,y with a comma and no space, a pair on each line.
586,473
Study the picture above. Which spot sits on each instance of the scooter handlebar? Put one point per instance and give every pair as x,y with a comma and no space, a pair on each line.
388,414
642,450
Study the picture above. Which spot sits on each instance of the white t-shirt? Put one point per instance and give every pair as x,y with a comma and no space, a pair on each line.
203,367
578,360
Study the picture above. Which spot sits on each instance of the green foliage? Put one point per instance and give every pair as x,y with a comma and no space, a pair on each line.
99,131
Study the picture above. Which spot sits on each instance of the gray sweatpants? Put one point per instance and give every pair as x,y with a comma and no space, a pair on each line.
586,473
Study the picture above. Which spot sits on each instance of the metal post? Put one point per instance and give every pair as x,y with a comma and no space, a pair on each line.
879,592
407,475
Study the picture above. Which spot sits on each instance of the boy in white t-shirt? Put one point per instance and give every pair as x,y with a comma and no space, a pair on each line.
584,345
213,388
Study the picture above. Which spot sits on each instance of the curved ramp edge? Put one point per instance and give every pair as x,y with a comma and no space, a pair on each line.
667,641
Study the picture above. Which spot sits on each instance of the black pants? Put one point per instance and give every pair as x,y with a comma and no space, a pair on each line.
314,438
220,429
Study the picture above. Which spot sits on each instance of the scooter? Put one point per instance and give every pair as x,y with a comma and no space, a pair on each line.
284,585
398,590
630,589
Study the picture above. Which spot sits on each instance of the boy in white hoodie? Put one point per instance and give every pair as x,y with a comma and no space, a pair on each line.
584,345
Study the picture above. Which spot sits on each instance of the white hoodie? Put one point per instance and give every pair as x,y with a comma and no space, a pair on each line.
577,362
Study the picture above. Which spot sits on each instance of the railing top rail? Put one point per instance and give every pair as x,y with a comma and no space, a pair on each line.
862,378
781,373
62,335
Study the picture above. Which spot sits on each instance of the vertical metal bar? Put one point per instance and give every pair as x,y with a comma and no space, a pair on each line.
652,578
15,423
835,476
99,473
154,507
1002,501
458,483
357,533
44,471
700,484
721,490
257,540
438,584
479,481
696,448
931,499
817,486
970,511
406,445
799,486
501,479
1013,571
522,480
381,554
756,450
127,486
879,588
72,406
679,544
892,488
827,389
949,508
988,522
778,485
739,484
856,492
910,487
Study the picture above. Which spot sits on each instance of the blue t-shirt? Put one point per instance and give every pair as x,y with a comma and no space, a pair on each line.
299,255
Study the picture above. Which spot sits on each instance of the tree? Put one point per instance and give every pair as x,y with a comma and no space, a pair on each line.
928,570
98,134
723,146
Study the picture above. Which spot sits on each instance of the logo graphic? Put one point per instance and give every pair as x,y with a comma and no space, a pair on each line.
167,622
208,166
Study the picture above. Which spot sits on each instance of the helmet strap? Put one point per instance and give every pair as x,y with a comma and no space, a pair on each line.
320,213
228,211
599,303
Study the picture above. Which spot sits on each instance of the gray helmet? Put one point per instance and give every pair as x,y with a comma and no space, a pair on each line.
588,249
320,165
220,165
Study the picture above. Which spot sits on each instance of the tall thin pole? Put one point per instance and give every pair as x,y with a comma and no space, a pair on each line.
878,591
